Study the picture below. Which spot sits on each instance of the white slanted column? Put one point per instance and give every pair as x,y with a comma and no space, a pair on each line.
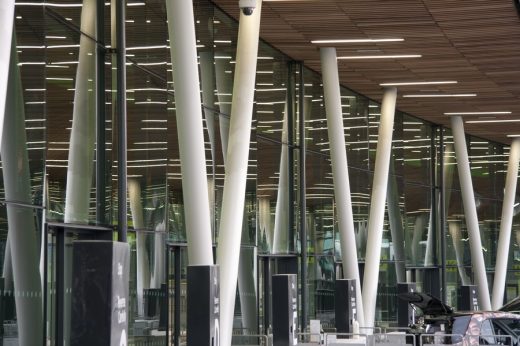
6,34
470,212
281,216
338,155
83,133
236,168
506,222
396,224
143,261
181,28
224,93
22,233
377,205
453,225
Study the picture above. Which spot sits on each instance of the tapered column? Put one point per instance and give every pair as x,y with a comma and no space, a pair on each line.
396,224
181,27
338,155
6,34
83,133
207,71
224,93
470,212
453,226
143,262
236,168
506,222
454,229
281,216
377,205
23,241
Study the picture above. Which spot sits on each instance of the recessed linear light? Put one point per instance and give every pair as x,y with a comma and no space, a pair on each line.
513,136
477,113
418,83
493,121
440,95
361,40
402,56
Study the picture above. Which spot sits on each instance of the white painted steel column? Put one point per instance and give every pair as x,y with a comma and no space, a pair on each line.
143,261
224,93
453,226
470,212
6,35
22,232
181,28
396,224
377,205
506,222
207,71
236,168
338,155
281,216
83,133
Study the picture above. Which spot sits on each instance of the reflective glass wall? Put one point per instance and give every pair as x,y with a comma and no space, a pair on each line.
66,192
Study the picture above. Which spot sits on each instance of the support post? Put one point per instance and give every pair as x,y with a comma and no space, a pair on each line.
338,155
506,222
302,111
377,205
236,167
181,28
6,35
122,220
470,212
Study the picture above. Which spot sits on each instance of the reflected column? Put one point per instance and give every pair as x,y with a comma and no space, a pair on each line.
143,262
470,211
454,229
224,93
281,216
6,34
181,29
21,222
338,155
396,224
377,204
506,222
236,167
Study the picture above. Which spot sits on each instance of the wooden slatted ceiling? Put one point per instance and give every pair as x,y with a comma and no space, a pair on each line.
474,42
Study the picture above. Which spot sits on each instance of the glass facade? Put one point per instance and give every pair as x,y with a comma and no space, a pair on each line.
57,97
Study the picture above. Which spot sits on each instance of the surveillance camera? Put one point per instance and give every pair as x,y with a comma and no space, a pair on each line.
247,6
